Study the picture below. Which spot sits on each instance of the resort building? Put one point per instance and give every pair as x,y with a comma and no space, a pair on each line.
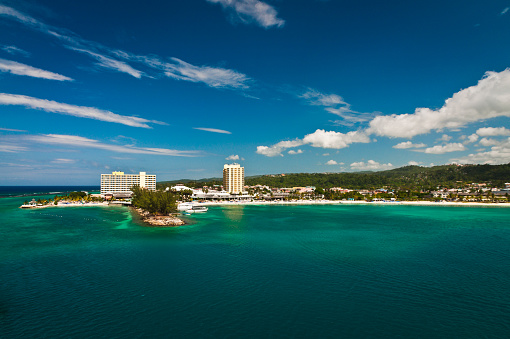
233,178
120,183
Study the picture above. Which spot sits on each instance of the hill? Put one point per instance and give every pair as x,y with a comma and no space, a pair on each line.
408,177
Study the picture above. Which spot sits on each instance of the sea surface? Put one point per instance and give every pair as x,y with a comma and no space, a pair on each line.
342,271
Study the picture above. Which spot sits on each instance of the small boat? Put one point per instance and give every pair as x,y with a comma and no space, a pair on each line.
197,209
183,206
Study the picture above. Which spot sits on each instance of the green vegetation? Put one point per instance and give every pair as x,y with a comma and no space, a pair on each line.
159,202
75,196
408,178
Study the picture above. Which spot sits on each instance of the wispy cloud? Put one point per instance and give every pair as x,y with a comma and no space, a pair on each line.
488,99
77,141
214,130
120,61
15,50
504,11
63,161
248,11
22,69
7,148
109,63
77,111
11,130
211,76
335,104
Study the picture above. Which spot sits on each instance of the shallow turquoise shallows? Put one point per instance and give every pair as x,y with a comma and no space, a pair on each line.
256,271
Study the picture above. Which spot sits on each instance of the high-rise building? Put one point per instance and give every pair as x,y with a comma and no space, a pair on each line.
233,178
118,182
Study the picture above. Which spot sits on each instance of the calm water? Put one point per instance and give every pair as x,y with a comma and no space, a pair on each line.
256,271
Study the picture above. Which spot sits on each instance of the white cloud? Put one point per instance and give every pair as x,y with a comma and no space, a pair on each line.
413,163
488,99
272,151
277,149
11,148
22,69
214,130
320,138
299,151
252,10
470,139
493,131
445,138
408,144
441,149
77,111
77,141
499,154
505,10
332,162
15,50
336,140
370,165
232,157
489,142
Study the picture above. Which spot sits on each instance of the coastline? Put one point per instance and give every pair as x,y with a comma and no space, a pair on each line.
65,205
359,202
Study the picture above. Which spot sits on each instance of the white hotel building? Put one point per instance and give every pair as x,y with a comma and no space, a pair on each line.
233,178
118,182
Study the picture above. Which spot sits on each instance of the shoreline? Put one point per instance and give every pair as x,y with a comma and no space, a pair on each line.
360,202
65,205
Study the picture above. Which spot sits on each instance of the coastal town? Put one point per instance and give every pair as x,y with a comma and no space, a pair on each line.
117,189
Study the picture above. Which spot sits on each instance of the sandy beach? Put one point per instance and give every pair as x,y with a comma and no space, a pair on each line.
346,202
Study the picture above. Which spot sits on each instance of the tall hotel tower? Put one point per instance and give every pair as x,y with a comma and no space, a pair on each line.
118,182
233,178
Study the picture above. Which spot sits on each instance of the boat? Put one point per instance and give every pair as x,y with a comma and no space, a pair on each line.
183,206
197,209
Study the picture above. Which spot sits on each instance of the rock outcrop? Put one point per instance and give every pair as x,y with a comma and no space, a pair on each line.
159,220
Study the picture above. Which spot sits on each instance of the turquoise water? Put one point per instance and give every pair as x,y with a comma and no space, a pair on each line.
256,271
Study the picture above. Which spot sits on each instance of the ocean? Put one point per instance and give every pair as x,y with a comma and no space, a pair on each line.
342,271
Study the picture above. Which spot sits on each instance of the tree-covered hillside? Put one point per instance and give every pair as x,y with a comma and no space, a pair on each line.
408,177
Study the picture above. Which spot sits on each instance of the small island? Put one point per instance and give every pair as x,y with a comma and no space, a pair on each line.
156,208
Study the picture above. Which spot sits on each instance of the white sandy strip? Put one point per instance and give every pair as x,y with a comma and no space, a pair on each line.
73,205
342,202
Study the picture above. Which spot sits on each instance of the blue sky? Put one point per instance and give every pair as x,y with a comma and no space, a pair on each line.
178,88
